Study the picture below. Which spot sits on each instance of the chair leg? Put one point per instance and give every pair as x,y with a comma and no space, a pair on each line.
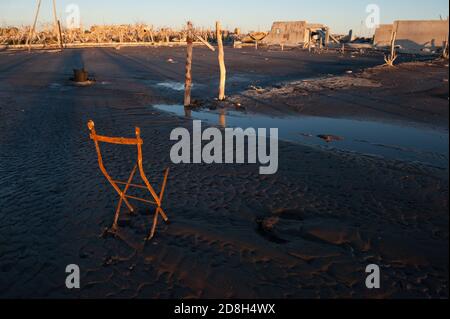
116,216
155,222
163,187
122,198
163,215
159,210
161,195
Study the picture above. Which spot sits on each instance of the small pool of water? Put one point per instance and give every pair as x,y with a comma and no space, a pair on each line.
176,86
392,141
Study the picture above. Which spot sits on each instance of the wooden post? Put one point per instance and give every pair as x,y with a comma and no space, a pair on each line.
445,52
188,80
30,36
394,38
55,17
327,38
151,36
60,35
223,71
309,40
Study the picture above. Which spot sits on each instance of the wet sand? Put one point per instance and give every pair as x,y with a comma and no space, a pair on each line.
307,232
411,93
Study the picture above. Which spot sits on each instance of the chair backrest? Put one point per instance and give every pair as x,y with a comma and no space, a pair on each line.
121,141
114,140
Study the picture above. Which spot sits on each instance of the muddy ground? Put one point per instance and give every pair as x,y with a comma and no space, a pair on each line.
307,232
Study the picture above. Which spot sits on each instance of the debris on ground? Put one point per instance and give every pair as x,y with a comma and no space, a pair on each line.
330,138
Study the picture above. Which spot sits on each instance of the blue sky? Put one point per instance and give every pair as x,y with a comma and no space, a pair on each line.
257,15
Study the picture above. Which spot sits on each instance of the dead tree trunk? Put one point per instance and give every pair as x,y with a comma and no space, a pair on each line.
223,71
151,36
188,80
30,36
309,40
60,35
445,51
393,56
56,27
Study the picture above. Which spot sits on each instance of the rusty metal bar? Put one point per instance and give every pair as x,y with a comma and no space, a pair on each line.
140,199
122,197
116,140
131,185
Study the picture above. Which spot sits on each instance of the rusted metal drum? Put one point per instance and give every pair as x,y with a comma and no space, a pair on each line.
80,75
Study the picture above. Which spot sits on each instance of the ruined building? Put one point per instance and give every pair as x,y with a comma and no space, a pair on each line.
292,33
413,36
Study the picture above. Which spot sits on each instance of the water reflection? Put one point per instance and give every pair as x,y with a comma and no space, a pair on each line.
388,140
223,118
188,112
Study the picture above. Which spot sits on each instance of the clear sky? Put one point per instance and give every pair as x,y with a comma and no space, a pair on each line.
249,15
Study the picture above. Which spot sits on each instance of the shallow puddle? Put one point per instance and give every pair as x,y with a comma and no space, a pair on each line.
176,86
392,141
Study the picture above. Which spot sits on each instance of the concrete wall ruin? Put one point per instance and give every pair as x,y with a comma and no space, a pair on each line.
414,35
289,33
383,35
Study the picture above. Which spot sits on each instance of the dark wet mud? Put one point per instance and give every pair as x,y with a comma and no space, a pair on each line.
307,232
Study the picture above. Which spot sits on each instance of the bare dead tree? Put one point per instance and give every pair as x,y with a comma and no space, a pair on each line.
30,36
221,57
390,59
57,28
188,77
445,51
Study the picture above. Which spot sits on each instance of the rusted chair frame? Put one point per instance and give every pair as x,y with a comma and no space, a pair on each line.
123,193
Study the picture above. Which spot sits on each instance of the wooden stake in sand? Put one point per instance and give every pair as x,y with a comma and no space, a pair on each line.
188,80
223,71
30,36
